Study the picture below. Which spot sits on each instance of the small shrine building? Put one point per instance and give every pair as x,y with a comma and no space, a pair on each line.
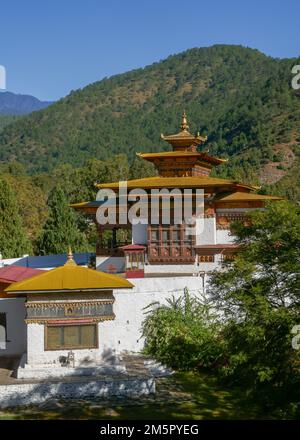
66,311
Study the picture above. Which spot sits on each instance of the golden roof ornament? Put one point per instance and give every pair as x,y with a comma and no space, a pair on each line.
184,124
184,140
70,260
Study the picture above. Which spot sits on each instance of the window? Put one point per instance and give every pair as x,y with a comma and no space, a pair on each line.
165,235
70,337
176,235
3,337
172,242
154,234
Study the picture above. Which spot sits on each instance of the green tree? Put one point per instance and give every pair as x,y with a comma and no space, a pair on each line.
259,294
60,229
183,334
13,240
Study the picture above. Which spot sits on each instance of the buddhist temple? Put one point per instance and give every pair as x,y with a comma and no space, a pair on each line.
72,320
169,248
65,309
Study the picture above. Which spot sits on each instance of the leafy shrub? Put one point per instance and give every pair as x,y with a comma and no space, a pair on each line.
184,334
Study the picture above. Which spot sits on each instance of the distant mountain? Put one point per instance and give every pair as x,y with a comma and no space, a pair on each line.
17,104
241,98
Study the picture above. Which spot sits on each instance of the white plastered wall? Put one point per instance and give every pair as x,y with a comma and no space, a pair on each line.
205,231
14,308
123,333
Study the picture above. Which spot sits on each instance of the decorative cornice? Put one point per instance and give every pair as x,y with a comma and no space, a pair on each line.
51,304
52,321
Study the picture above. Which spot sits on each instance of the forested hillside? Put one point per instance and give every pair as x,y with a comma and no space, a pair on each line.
238,96
5,120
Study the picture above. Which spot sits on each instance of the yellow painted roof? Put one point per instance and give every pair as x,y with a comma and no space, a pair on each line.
175,182
70,277
184,135
241,196
184,153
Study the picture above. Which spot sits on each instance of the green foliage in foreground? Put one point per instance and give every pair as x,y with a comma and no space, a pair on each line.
258,295
183,334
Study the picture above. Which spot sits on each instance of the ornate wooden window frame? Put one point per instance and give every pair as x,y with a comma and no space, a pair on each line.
71,347
176,250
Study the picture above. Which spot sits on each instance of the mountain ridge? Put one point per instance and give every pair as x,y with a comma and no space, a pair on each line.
16,104
241,98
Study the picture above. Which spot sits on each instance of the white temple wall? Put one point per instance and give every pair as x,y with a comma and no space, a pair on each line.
224,236
123,333
14,308
172,268
206,231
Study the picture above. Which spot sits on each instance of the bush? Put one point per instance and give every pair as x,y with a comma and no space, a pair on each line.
184,334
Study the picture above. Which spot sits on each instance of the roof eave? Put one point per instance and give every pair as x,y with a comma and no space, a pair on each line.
29,292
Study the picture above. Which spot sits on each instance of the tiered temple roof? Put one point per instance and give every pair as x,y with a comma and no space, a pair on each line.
186,167
185,159
184,140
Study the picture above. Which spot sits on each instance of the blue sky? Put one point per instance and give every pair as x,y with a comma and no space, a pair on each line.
51,47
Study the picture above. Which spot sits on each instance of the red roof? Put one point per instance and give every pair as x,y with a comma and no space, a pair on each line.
11,274
133,247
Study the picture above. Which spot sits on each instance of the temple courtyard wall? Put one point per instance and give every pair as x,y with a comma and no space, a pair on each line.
124,333
38,392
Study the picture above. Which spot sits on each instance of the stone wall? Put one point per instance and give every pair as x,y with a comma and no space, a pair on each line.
37,393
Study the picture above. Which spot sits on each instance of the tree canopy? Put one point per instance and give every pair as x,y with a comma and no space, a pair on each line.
13,239
60,229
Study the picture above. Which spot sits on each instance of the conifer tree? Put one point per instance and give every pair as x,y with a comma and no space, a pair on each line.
13,239
60,230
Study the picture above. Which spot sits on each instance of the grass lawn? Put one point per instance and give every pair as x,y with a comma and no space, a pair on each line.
182,396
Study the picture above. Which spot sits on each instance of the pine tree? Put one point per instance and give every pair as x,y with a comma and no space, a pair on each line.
60,230
13,239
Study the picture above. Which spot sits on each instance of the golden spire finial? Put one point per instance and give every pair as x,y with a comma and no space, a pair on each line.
70,260
184,124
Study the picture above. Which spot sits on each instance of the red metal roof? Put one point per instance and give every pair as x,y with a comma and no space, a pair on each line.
11,274
133,247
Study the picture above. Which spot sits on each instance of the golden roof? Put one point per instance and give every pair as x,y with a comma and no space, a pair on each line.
70,277
176,182
247,197
184,139
182,153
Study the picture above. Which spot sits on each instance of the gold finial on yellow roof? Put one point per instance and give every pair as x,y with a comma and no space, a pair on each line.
184,124
70,260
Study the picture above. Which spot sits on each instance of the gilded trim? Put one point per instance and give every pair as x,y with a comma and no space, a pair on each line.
46,321
53,304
